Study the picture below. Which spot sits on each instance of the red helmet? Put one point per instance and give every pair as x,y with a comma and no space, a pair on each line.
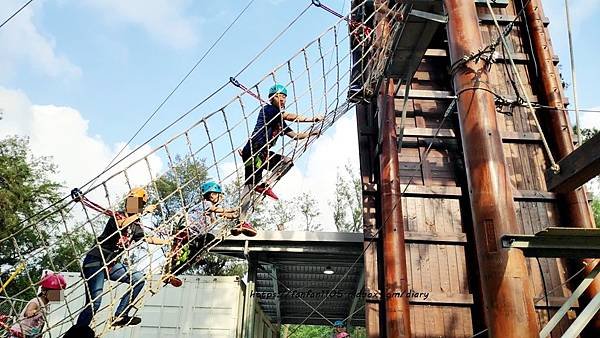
53,281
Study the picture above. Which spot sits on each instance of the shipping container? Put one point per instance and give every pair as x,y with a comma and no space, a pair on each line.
205,306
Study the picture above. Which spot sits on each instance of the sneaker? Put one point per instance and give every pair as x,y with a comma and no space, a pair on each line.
126,321
248,229
174,281
261,189
355,94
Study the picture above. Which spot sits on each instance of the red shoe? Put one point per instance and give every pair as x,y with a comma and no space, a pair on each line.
266,191
248,229
171,279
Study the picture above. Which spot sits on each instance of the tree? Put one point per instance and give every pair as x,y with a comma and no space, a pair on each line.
309,209
25,190
347,202
318,331
274,215
586,133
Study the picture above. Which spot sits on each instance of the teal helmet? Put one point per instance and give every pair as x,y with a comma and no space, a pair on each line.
339,323
210,186
277,88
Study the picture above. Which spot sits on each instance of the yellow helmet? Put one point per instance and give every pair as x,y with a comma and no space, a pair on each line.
139,192
136,200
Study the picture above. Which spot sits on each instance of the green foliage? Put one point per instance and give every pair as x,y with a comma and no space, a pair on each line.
186,174
25,190
318,331
596,210
586,133
309,331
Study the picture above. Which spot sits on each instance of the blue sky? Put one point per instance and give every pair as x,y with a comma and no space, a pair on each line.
80,76
116,60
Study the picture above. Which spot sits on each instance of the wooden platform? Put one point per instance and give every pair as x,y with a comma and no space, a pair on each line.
557,242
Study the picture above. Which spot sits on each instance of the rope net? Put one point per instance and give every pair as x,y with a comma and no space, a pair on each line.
108,232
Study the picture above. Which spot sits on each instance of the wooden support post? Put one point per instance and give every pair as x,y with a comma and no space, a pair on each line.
367,141
506,288
573,206
395,273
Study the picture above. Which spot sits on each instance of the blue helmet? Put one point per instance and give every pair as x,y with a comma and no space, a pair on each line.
210,186
339,323
277,88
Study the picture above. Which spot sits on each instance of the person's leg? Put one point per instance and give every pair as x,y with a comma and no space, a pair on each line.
179,254
200,246
356,80
94,277
185,264
120,273
253,167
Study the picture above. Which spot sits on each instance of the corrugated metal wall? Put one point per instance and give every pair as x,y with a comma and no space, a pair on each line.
203,307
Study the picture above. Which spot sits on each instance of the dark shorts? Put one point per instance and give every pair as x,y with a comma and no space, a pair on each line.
254,165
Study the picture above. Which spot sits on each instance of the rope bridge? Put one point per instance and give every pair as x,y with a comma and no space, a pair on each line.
324,79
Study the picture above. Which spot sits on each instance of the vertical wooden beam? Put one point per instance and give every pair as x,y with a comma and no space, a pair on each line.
507,291
574,206
394,252
367,141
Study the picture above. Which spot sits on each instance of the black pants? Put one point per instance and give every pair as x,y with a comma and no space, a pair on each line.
358,66
254,165
197,247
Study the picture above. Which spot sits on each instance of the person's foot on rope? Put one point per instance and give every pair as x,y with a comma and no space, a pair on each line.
126,321
355,94
174,281
264,190
245,228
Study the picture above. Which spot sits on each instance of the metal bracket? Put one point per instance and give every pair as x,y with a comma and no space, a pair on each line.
429,16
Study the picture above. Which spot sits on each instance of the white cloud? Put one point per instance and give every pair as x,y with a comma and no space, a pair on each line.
165,20
329,154
23,44
589,119
63,134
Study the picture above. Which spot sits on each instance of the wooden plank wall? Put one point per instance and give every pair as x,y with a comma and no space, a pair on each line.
432,208
435,205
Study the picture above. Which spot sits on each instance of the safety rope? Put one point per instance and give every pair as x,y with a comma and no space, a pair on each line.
573,79
553,165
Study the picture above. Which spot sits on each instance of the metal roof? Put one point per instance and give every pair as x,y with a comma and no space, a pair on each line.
291,264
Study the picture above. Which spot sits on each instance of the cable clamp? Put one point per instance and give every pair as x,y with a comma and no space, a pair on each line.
234,82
